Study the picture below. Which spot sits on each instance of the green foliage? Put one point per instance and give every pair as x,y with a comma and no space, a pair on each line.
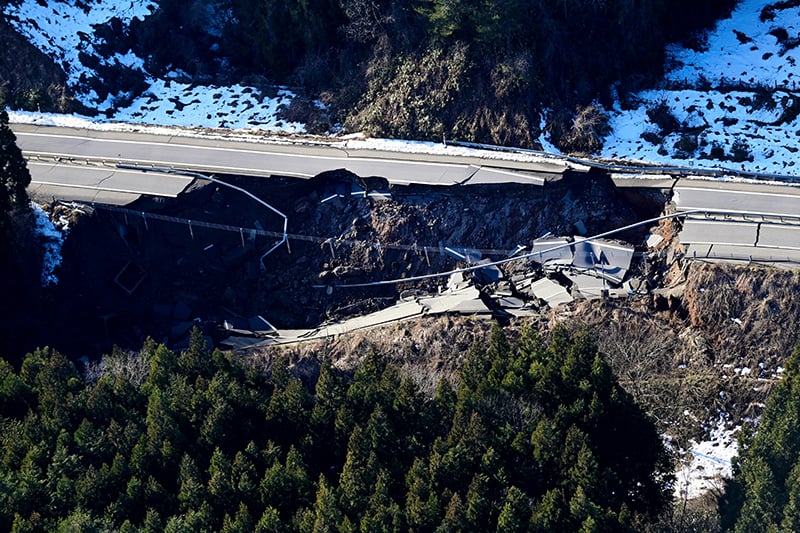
536,437
763,495
14,175
278,35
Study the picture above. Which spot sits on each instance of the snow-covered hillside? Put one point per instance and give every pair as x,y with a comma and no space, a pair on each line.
734,104
68,32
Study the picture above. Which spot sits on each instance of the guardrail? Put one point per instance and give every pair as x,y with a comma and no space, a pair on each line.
212,179
617,168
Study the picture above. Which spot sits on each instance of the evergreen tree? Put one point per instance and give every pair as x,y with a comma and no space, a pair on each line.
515,513
422,506
382,515
241,523
14,175
270,522
220,484
791,513
358,474
192,492
522,444
764,492
326,516
455,519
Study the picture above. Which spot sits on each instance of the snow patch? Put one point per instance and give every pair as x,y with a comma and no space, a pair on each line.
210,106
708,464
66,31
52,239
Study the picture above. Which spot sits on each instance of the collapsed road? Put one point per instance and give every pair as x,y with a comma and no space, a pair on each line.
193,257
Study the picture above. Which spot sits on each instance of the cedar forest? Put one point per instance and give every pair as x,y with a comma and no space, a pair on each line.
535,436
532,434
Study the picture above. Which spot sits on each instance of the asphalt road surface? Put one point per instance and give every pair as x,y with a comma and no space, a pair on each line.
731,197
735,233
99,184
256,159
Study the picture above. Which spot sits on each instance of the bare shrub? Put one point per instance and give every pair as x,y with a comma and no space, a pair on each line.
689,516
132,367
417,99
365,20
686,146
306,111
427,350
662,116
751,315
586,132
509,78
740,151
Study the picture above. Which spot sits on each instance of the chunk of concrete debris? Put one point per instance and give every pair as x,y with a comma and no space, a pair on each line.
489,273
635,285
544,253
240,326
502,288
551,292
456,282
590,287
653,240
465,301
260,326
607,259
510,302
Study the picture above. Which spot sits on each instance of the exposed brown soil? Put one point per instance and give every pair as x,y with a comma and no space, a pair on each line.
710,341
211,275
687,373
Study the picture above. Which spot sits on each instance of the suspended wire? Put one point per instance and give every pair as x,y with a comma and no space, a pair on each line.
291,236
529,255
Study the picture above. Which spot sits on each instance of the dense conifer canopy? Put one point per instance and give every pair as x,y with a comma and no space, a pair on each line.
536,437
765,492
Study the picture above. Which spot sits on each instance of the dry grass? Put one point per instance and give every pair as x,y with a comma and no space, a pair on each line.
750,315
427,349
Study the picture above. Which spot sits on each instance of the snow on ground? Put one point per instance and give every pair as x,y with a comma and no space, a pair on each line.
66,31
735,103
442,148
744,48
708,463
51,239
235,107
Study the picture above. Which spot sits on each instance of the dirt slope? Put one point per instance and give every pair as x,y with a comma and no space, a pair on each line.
28,78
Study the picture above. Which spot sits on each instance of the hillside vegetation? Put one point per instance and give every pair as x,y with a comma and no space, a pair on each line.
536,437
765,492
480,70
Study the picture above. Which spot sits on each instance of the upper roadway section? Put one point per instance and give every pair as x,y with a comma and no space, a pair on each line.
231,156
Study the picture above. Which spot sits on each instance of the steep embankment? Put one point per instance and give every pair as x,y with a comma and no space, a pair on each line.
28,78
703,357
